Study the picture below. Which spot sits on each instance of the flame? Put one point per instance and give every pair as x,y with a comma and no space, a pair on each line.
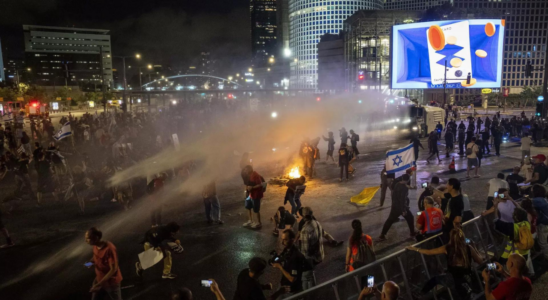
294,173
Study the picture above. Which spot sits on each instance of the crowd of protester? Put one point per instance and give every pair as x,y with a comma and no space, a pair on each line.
66,170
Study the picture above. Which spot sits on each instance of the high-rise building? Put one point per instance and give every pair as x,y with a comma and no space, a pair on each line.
331,64
263,30
57,53
308,21
282,19
526,27
206,65
413,4
2,74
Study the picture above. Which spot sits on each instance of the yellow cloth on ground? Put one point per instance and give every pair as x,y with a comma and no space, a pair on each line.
365,196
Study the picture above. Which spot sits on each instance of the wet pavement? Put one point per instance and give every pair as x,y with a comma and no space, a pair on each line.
213,251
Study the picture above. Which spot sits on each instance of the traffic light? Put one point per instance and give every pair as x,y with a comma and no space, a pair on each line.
528,69
540,108
230,96
361,76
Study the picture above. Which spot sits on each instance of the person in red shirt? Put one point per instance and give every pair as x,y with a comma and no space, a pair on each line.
108,277
354,242
255,189
516,286
429,221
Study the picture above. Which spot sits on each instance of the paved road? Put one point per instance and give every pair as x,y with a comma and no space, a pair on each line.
48,261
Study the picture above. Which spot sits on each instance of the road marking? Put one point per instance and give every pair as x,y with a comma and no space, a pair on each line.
209,256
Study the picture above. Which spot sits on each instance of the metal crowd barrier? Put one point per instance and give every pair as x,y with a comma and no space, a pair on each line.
411,270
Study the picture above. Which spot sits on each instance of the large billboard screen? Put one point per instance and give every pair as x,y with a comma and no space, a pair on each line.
471,49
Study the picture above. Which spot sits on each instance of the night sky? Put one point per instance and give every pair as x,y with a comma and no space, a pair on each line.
168,32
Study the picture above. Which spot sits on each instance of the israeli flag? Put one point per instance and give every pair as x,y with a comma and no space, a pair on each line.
400,159
63,132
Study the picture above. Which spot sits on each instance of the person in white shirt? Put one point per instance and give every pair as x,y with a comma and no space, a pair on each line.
494,185
527,170
472,155
525,146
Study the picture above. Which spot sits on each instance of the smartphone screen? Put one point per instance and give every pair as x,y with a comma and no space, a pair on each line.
424,184
467,241
206,283
496,194
88,264
370,281
419,213
501,196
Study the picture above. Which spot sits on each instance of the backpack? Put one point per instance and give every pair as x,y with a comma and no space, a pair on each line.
364,256
469,151
525,241
357,138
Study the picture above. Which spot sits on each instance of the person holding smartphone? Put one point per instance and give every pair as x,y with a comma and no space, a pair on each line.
108,277
390,291
515,286
494,185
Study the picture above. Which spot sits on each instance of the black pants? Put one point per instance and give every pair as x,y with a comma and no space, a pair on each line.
156,215
355,149
345,167
497,147
461,147
416,153
486,146
395,217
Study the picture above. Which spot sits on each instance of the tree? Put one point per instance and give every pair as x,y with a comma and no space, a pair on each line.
9,94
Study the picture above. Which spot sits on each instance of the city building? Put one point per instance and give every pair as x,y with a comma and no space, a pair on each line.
206,65
331,63
308,21
526,26
2,74
413,4
367,49
263,31
54,54
282,19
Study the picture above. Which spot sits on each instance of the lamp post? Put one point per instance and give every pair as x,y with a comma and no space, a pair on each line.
124,98
141,73
17,74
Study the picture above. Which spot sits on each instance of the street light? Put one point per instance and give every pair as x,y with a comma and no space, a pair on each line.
271,60
250,69
230,78
138,56
287,52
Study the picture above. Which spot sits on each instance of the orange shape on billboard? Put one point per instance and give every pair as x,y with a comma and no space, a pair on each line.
490,29
436,37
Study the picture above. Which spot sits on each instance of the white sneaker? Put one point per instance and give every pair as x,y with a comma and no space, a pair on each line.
247,224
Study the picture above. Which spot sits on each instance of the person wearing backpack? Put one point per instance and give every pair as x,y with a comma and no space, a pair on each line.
521,240
360,250
311,246
472,151
459,263
354,139
541,206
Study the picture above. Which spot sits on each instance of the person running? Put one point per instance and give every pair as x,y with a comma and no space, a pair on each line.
358,240
292,195
416,144
253,202
330,146
399,208
108,276
433,146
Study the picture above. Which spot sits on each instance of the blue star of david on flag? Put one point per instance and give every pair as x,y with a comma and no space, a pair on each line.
397,160
400,159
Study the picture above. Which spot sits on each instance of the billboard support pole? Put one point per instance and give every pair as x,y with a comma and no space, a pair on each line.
444,83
